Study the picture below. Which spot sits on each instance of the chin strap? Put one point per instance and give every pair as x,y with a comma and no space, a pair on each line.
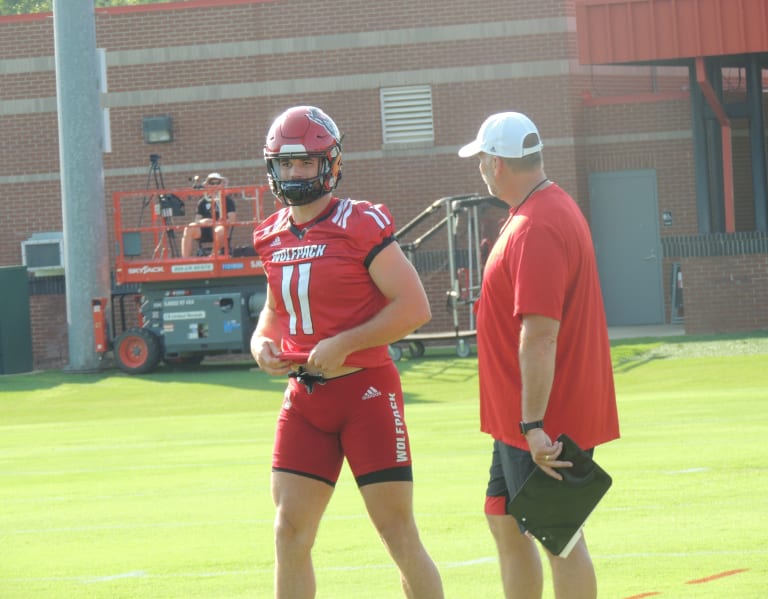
304,191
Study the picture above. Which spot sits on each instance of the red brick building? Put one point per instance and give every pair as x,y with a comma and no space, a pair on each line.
408,84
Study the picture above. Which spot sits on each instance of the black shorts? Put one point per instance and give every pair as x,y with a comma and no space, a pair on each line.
510,467
206,234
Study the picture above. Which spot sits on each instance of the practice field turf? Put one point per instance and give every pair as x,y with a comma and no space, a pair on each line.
157,487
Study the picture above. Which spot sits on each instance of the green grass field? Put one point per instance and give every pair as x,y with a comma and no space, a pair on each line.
157,487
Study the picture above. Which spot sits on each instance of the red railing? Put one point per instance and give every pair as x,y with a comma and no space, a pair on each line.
150,224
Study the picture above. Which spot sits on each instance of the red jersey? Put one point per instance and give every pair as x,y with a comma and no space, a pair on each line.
318,273
543,263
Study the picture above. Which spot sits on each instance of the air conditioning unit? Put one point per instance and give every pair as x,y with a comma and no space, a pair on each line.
43,254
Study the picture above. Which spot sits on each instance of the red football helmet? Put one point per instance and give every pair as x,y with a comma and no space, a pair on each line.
298,132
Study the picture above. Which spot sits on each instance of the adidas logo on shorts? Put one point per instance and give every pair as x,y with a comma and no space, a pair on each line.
371,393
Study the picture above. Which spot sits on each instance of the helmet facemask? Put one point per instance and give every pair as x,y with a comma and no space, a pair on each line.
299,192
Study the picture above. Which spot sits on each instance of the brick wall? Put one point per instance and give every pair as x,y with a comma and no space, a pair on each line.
49,336
725,294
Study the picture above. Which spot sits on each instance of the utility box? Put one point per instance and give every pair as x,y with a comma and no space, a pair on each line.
15,321
215,321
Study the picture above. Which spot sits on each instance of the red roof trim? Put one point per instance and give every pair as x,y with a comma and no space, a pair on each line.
623,31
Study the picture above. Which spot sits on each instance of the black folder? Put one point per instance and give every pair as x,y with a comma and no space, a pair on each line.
554,510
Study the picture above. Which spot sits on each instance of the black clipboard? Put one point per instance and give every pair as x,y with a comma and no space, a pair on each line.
554,510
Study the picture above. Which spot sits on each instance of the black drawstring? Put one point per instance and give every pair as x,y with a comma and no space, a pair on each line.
307,378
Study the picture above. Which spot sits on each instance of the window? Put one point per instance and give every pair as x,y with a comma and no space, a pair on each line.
406,114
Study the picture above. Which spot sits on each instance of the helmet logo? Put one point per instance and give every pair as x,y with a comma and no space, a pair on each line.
318,116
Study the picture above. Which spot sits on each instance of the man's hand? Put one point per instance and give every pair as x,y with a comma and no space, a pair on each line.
544,452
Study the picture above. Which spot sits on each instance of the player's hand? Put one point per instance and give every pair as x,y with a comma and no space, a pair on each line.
545,453
327,356
267,355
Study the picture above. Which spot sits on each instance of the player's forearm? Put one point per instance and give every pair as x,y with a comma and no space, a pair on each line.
399,318
268,326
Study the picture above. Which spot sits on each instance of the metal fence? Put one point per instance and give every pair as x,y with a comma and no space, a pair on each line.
715,244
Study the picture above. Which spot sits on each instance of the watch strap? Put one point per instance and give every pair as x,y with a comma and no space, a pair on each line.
529,426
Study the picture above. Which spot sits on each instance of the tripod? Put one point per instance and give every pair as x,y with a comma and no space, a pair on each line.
155,172
167,207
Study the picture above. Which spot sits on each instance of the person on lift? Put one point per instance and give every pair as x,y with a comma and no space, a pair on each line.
203,229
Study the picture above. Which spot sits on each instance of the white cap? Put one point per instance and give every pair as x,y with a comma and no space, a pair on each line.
504,134
213,177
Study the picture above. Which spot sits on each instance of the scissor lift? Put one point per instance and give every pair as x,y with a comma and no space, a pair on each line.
465,266
187,307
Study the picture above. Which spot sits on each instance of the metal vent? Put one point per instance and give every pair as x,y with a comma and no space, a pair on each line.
406,114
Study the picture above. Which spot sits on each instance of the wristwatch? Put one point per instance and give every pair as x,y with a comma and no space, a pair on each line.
529,426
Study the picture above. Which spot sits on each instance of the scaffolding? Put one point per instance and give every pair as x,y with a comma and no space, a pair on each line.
460,217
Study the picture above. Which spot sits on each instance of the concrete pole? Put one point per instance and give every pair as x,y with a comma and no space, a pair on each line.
86,258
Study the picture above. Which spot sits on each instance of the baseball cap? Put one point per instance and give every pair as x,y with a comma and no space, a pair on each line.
504,134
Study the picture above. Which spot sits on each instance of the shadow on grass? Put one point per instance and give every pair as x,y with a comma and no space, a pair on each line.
439,365
242,375
239,375
440,369
632,364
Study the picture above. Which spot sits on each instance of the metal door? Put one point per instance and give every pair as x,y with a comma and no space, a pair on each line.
625,229
15,321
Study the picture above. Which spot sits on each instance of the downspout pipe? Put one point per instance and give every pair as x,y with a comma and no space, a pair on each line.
725,133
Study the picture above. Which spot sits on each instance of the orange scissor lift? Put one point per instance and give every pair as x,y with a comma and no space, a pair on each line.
187,307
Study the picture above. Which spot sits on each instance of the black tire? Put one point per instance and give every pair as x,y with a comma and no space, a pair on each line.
137,351
416,349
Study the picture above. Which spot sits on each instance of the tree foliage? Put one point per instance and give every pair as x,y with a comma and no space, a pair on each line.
21,7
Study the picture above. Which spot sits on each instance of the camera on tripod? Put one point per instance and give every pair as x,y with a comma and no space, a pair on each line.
171,205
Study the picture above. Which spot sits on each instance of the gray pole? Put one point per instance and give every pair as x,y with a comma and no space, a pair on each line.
86,258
